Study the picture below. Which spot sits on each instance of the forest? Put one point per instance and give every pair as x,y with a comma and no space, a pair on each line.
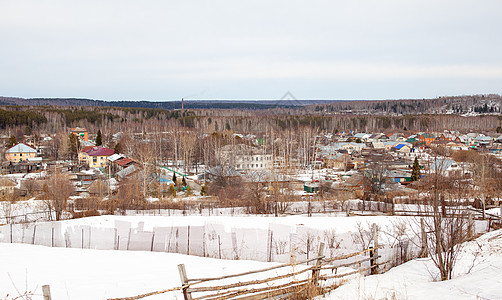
56,118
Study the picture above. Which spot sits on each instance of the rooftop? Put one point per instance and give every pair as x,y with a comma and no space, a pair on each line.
21,148
98,151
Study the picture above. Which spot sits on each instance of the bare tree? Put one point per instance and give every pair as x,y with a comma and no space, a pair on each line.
57,190
147,155
363,235
31,186
447,222
6,200
130,194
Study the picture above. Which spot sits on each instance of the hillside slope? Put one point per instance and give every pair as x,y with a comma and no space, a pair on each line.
477,276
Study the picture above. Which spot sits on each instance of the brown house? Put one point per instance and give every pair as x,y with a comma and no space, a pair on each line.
426,138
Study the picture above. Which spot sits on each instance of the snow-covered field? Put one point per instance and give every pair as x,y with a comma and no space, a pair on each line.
102,274
477,275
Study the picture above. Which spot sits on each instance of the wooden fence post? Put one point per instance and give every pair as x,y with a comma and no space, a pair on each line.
188,240
34,232
470,224
219,247
423,251
46,291
270,244
153,240
316,270
374,252
500,213
184,281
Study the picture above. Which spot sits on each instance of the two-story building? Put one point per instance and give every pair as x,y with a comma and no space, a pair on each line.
94,156
426,138
81,133
245,158
20,152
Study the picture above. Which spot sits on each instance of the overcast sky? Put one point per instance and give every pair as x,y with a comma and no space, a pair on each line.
238,49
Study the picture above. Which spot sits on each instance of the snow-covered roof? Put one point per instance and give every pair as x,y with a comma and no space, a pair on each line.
86,144
36,159
378,145
441,165
21,148
127,171
483,138
115,157
361,135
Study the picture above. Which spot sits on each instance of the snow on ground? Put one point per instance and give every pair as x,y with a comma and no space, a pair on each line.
494,211
477,275
20,208
101,274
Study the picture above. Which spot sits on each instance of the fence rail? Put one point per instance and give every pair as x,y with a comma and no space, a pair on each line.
288,280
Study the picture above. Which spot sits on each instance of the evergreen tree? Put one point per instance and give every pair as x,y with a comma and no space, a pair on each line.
415,172
172,190
203,190
184,181
116,149
99,141
174,177
12,141
188,192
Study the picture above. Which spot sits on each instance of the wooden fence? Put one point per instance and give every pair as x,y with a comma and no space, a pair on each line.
300,280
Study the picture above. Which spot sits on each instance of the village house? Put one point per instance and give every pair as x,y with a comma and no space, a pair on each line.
7,186
444,166
444,138
94,157
362,136
20,152
245,158
426,138
378,145
337,161
483,141
81,133
119,162
403,148
377,137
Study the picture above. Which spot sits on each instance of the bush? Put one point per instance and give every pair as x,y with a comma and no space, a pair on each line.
85,213
172,190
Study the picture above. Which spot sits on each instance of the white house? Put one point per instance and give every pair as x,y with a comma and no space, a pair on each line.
245,158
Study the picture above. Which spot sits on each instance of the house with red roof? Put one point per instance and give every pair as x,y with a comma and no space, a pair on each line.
94,156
